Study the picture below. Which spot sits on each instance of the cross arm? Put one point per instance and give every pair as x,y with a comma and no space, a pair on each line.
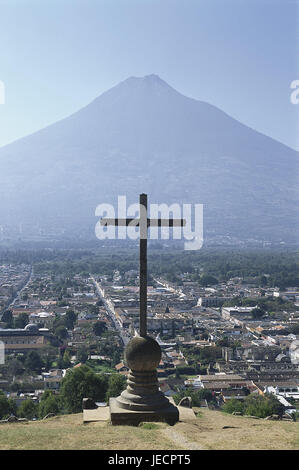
119,222
166,222
150,222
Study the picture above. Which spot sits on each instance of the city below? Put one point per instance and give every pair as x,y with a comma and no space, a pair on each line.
222,340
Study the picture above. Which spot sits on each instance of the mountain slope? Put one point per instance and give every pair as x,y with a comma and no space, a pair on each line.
144,136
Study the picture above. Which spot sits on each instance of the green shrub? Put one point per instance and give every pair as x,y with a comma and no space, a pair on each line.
234,405
255,405
80,383
49,403
28,409
7,406
196,395
116,384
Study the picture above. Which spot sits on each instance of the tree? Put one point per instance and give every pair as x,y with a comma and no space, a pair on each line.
15,366
115,359
49,358
82,354
294,329
21,321
49,403
255,405
7,406
234,405
7,318
70,319
12,406
116,384
263,281
196,395
28,409
66,359
209,353
98,328
61,332
223,342
257,313
93,309
263,406
33,361
81,382
207,280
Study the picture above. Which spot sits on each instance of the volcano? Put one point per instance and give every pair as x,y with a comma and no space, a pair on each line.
143,136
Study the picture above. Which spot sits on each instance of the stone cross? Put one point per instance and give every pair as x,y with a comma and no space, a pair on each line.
143,223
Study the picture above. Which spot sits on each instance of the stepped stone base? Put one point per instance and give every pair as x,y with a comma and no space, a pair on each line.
103,413
118,415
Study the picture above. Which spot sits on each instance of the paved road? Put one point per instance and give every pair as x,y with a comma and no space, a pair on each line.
168,287
18,294
110,313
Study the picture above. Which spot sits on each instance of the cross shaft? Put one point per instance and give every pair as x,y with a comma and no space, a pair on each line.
143,222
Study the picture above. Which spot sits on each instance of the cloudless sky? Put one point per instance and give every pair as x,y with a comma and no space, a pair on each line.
58,55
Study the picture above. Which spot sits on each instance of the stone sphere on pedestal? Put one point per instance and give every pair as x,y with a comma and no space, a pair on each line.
143,353
142,400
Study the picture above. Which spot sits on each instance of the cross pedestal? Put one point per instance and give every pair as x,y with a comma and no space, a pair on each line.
142,400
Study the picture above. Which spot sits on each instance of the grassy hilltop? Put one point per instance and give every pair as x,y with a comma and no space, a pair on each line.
212,430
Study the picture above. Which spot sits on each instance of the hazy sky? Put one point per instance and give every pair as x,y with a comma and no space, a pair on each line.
58,55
